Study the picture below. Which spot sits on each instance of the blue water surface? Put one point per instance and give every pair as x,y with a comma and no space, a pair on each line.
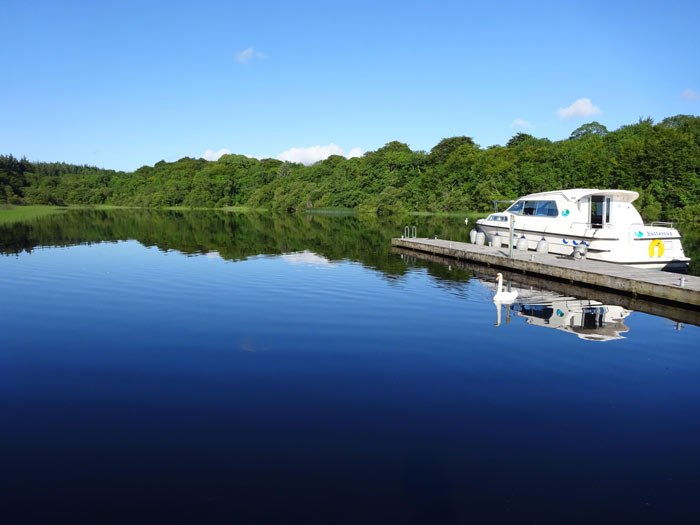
147,384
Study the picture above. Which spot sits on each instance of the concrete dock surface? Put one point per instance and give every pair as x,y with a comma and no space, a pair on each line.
683,290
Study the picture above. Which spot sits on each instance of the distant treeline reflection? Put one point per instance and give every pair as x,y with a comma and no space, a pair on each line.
236,236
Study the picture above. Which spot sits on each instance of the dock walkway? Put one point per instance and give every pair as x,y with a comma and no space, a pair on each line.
654,284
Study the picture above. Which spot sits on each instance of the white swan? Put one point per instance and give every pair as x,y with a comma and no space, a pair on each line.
501,296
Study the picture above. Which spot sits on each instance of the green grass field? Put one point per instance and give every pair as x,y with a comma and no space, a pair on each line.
10,214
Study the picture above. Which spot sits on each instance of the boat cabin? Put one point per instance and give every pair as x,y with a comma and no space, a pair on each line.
596,209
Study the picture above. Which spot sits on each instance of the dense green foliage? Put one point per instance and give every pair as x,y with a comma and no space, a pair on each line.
661,161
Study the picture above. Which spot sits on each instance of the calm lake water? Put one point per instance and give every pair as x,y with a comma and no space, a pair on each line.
164,366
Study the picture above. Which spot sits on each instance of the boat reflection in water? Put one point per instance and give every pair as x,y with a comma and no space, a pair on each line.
588,319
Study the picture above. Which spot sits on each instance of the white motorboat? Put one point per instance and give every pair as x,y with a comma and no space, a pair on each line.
602,223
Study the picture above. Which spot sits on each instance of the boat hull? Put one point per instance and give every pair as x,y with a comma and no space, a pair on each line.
660,253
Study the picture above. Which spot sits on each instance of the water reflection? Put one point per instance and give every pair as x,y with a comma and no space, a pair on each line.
589,309
589,320
307,258
320,241
586,318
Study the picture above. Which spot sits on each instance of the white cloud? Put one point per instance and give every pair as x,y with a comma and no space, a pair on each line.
689,94
307,258
580,108
354,152
215,155
520,123
314,154
245,56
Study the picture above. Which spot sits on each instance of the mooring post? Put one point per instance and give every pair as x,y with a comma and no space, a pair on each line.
512,231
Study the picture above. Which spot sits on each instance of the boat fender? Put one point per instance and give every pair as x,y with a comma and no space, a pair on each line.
543,246
496,241
580,251
521,244
480,238
472,236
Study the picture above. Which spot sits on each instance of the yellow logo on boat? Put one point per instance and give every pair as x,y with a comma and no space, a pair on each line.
652,247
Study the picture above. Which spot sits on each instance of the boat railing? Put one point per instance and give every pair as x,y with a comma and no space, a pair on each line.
496,203
589,226
662,224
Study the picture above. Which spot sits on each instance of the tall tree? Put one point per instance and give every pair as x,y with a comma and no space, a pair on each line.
592,128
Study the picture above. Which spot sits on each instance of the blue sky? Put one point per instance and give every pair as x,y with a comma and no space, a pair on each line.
122,84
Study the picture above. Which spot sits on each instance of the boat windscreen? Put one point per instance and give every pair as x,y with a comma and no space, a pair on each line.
535,208
516,208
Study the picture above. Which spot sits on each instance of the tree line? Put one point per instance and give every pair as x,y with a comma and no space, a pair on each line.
659,160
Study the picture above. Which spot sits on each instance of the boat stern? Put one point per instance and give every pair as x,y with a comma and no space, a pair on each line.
658,246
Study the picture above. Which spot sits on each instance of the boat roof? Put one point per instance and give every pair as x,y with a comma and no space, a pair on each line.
578,194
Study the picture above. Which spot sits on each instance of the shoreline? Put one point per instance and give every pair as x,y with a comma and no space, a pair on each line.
14,213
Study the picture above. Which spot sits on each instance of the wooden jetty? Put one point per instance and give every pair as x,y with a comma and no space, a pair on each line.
682,290
674,311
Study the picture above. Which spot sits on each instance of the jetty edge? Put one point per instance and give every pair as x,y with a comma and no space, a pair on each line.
683,290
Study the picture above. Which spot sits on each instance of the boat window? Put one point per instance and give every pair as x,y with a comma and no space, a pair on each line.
547,209
593,317
516,208
538,311
530,207
608,205
597,211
